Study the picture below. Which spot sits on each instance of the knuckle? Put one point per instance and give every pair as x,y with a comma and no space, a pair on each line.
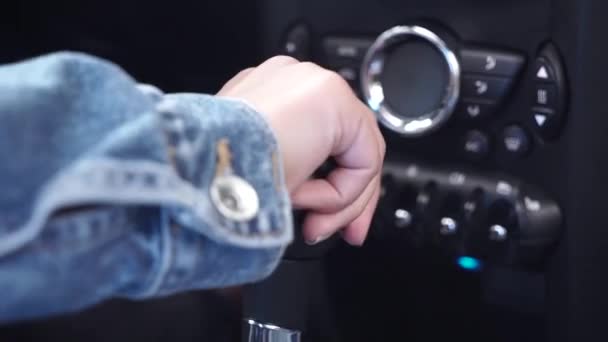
341,203
312,68
326,78
334,79
282,59
309,64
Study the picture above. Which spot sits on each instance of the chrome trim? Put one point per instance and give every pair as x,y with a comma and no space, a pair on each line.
373,91
258,332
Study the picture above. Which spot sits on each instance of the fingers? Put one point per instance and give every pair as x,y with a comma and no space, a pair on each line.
357,165
303,101
356,232
341,188
348,197
320,226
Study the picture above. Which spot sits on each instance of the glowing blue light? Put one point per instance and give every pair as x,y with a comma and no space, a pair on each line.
469,263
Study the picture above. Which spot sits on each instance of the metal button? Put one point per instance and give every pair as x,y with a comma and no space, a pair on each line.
448,226
234,198
403,218
498,233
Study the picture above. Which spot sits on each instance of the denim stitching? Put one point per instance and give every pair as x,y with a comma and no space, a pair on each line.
106,223
100,181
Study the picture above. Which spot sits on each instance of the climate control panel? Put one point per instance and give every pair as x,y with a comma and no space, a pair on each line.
463,110
490,218
421,79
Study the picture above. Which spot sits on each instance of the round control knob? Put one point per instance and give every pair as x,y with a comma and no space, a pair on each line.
411,79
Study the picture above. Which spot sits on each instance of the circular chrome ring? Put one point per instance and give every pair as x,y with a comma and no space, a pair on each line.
373,91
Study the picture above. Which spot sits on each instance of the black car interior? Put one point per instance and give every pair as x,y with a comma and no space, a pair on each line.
491,223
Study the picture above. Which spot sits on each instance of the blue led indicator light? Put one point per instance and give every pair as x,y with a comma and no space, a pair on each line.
469,263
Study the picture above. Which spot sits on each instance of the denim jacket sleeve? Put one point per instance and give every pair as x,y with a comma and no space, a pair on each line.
114,189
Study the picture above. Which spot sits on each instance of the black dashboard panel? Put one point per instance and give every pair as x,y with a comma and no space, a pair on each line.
558,300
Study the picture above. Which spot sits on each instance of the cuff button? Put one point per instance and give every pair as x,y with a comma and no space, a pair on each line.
235,198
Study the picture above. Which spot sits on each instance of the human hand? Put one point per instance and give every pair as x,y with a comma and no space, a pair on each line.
315,115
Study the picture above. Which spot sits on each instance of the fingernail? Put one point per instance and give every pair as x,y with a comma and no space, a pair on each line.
351,243
356,244
318,239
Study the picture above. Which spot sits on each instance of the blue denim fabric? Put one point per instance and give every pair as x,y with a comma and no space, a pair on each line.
134,167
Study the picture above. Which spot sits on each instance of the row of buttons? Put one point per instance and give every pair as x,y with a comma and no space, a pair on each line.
492,218
548,105
482,93
488,75
487,78
515,141
449,226
462,224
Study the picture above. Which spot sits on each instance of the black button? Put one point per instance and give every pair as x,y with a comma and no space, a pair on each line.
545,95
297,43
476,145
543,71
484,89
340,50
515,141
474,110
546,122
493,63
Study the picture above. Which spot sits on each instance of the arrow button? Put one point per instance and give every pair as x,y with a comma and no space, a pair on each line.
485,89
543,71
545,121
540,119
471,110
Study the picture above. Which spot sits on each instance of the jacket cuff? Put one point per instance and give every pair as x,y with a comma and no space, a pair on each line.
228,152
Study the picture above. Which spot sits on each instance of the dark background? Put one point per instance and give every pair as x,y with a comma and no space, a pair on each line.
179,45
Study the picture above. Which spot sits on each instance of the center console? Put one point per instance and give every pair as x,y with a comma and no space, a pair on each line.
477,102
465,116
